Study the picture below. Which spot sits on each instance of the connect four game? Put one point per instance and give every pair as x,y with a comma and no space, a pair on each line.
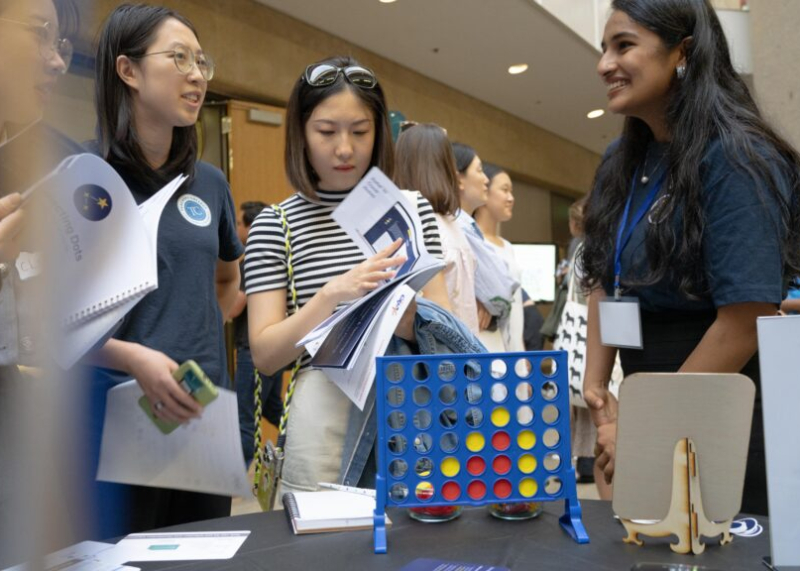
474,430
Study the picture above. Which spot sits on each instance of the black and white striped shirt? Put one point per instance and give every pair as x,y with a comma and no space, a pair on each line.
321,250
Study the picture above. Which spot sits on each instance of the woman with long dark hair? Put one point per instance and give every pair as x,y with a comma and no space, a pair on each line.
152,76
694,210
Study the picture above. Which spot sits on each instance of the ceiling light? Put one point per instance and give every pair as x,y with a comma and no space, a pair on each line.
387,1
595,114
518,68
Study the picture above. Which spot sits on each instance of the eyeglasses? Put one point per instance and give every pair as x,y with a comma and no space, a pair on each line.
49,43
185,59
324,74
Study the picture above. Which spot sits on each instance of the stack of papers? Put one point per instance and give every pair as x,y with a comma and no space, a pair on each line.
345,345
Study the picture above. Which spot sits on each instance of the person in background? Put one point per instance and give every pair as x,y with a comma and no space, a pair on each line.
695,211
499,208
532,324
152,76
494,288
245,383
424,161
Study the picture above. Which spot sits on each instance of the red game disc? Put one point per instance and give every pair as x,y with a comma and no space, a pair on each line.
501,441
502,489
477,490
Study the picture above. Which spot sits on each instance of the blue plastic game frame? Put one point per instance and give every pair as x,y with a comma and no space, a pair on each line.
435,431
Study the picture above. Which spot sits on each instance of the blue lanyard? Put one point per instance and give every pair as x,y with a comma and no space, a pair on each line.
625,231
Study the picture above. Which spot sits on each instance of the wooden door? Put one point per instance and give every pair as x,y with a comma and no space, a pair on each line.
256,145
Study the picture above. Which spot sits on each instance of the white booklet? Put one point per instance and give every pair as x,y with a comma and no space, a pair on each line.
103,253
373,215
317,512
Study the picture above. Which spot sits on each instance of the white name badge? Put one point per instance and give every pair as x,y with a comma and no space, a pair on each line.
621,323
29,265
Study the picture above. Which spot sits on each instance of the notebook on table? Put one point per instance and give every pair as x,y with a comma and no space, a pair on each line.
317,512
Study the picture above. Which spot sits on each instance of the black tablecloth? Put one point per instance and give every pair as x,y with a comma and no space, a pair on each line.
476,537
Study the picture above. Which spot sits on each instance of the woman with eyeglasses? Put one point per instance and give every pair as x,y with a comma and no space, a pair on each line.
695,212
337,127
152,76
32,58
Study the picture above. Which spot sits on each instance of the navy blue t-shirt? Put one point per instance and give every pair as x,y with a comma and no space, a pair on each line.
182,318
741,242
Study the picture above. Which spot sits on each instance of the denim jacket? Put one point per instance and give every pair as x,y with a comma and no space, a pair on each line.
437,332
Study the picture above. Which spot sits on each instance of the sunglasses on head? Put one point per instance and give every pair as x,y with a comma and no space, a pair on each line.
324,74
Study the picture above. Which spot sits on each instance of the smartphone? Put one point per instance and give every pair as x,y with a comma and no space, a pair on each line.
194,381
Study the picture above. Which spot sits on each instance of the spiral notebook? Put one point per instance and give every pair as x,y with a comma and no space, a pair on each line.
317,512
106,259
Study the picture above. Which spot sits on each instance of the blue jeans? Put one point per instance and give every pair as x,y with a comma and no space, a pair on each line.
271,401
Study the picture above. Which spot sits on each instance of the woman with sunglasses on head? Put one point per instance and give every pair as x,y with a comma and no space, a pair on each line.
152,77
336,129
695,211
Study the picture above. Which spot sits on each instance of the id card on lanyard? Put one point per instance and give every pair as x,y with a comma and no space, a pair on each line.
620,318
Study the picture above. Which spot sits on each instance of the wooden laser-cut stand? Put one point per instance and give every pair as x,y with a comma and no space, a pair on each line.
686,517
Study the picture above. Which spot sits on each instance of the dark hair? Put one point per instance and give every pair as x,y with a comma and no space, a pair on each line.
68,16
250,210
492,171
69,20
710,102
425,162
464,156
130,30
304,99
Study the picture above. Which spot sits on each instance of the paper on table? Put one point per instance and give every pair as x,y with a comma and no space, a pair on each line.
187,546
356,382
84,556
203,456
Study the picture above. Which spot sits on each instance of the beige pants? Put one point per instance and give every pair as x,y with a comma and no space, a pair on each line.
314,435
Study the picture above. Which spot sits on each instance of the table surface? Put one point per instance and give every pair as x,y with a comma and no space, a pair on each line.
475,537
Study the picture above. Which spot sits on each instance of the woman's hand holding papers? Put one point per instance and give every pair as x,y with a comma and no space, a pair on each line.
365,277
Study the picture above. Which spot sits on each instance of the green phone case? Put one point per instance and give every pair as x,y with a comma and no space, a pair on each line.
195,382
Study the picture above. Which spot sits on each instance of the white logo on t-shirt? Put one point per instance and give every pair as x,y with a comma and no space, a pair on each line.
194,210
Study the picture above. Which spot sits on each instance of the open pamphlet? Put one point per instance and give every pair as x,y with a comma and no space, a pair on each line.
317,512
345,345
103,249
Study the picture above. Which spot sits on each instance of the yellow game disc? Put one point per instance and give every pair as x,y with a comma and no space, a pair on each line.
450,467
500,416
527,464
528,487
475,442
526,440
